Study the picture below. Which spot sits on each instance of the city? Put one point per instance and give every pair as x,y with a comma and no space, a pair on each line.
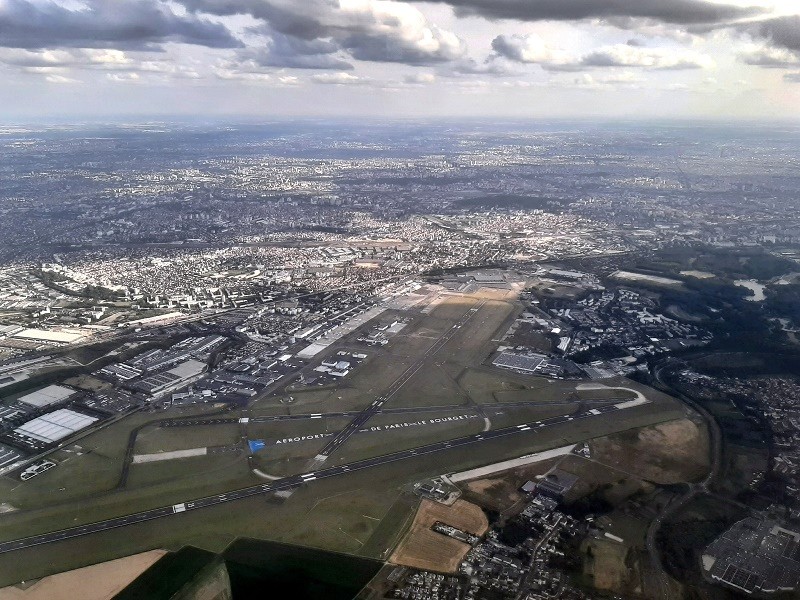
375,299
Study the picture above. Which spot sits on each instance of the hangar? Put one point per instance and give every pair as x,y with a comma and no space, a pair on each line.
55,426
46,396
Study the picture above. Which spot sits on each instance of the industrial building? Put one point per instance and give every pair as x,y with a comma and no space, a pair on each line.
52,394
55,426
755,556
172,379
519,362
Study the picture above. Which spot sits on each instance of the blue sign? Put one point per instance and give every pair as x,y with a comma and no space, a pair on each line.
256,445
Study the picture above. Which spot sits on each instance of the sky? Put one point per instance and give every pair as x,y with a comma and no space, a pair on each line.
391,59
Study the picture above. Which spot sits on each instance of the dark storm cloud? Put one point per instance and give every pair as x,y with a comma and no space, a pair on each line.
121,24
677,12
284,51
782,32
772,58
379,32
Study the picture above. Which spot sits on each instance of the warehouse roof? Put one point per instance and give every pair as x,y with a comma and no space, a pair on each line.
49,395
55,425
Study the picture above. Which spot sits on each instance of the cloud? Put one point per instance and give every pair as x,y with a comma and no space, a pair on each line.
792,77
369,30
527,49
781,32
226,73
588,81
776,58
623,55
339,79
419,79
469,66
121,24
677,12
531,49
283,51
64,58
60,79
64,61
123,77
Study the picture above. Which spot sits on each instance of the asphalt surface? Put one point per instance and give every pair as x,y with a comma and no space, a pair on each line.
294,481
493,408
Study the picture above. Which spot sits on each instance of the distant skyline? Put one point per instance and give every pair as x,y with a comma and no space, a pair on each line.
680,59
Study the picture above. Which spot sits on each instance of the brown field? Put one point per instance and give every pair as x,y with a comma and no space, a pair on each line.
89,383
608,565
423,548
666,453
102,581
500,492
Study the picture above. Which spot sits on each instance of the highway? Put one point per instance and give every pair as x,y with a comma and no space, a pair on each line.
295,481
365,415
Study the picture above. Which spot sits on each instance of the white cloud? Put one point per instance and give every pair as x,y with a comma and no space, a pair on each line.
624,55
123,77
60,79
531,49
339,79
419,78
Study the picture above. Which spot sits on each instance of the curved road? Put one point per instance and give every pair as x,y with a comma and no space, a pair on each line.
715,450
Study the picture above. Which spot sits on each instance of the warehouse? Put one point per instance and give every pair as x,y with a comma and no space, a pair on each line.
47,396
57,337
55,426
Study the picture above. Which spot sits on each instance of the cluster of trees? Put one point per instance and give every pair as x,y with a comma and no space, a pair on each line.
89,291
785,301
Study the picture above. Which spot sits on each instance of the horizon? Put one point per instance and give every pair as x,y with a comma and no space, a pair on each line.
602,59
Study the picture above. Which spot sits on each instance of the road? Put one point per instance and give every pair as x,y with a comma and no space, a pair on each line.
365,415
529,578
693,489
295,481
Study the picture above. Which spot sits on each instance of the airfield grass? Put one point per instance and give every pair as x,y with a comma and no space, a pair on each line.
291,458
344,513
154,439
366,445
90,467
227,466
391,527
430,386
87,467
187,484
335,514
311,399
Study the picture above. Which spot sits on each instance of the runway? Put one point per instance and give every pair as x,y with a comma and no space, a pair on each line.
365,415
296,481
494,408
